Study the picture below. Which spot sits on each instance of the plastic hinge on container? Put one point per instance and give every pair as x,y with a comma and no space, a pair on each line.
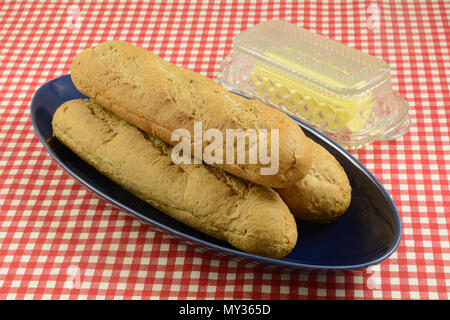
344,93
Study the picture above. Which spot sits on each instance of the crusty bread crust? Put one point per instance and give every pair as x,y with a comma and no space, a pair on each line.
159,97
250,217
324,194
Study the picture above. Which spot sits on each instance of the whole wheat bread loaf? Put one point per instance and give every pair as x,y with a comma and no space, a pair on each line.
160,97
250,217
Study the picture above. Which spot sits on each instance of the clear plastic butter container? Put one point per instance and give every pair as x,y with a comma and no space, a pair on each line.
344,93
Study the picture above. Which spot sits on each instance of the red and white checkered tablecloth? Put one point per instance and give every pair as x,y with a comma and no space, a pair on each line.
60,241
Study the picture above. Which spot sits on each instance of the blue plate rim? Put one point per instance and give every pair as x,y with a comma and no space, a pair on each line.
272,261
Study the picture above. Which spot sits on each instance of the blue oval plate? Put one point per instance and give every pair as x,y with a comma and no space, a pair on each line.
365,235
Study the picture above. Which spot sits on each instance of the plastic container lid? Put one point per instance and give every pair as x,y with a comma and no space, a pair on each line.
344,93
